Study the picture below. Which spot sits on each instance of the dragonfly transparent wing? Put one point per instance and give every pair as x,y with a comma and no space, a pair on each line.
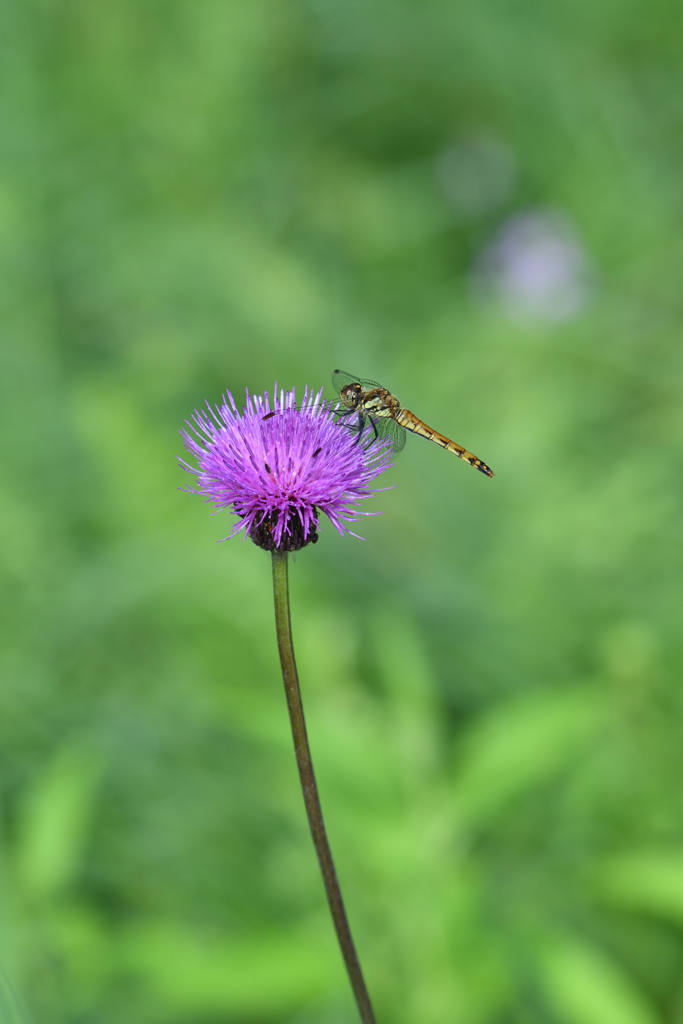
387,427
340,378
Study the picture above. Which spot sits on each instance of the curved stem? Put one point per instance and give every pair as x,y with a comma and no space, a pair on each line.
283,626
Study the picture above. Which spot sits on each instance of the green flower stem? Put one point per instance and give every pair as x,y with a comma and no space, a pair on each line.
283,626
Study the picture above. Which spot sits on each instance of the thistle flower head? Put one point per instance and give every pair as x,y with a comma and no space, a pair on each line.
278,466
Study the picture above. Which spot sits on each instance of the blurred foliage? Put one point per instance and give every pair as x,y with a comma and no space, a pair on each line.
211,195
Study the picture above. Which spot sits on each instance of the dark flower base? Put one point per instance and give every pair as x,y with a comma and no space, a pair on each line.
293,538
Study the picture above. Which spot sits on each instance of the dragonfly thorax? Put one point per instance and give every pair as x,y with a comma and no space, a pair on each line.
380,403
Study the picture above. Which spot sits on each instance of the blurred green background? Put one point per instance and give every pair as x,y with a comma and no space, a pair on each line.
479,204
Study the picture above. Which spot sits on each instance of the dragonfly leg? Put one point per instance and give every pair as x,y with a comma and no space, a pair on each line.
361,427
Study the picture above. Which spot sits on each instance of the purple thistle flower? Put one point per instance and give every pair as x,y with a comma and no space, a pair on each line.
276,468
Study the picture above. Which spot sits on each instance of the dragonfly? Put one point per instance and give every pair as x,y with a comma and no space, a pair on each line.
375,407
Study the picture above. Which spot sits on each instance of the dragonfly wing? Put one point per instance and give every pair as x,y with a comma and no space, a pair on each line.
387,427
363,425
340,378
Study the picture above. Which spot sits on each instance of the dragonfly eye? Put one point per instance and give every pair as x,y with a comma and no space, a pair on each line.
350,395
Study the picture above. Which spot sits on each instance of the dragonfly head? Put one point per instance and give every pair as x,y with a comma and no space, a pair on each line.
351,395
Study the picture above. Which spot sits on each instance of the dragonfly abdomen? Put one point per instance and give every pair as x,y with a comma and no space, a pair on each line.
411,422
